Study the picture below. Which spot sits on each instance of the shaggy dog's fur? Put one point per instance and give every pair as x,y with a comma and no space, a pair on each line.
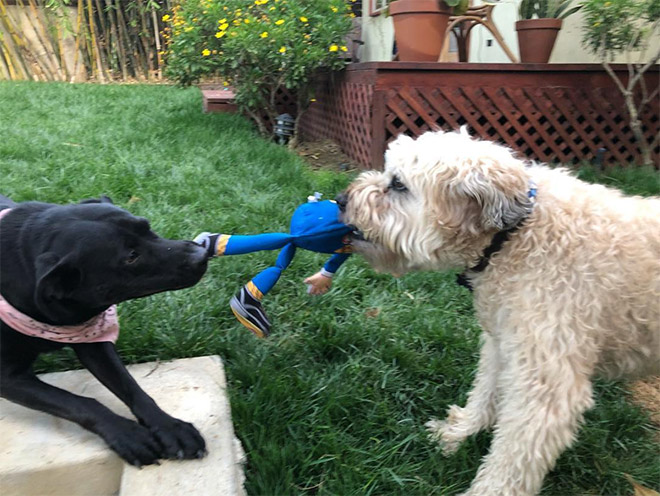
573,293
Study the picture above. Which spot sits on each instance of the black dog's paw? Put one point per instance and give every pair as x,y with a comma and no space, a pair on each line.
178,439
133,442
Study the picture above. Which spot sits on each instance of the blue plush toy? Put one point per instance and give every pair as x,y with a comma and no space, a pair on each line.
315,226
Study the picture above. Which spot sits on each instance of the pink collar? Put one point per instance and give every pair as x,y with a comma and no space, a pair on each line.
103,327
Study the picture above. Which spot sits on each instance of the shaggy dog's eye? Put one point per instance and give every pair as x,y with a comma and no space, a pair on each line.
397,185
132,257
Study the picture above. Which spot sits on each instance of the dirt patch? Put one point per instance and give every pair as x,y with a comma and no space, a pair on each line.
325,154
646,393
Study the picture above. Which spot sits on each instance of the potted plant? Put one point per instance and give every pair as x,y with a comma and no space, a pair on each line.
540,21
420,27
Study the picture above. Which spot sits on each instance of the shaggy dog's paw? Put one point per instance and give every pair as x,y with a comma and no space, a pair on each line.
440,431
452,432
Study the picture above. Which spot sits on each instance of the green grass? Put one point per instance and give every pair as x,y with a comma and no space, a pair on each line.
334,403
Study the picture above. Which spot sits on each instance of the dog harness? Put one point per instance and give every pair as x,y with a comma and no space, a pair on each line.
501,237
103,327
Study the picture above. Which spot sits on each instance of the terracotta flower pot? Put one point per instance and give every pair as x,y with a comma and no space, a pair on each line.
419,28
536,39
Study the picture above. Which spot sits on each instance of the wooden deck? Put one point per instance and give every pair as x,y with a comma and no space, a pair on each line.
565,113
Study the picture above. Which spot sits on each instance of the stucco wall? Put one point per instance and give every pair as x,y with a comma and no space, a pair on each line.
378,34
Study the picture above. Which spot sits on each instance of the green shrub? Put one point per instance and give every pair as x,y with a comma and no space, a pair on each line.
617,26
257,47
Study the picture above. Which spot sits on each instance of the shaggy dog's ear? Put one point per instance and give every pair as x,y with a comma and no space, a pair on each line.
500,192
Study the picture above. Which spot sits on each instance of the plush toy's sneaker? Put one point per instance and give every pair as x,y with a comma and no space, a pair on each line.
250,313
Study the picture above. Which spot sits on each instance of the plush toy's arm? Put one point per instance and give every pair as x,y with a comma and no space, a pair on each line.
333,264
320,282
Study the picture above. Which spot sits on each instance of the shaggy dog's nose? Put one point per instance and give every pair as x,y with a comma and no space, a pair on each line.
342,200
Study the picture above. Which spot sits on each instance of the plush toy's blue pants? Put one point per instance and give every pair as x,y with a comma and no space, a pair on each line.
267,278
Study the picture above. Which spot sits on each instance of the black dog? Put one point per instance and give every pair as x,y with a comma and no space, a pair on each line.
63,265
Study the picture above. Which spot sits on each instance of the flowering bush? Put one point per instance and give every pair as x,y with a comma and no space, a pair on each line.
257,47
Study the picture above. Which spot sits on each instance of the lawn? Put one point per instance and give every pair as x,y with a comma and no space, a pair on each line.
335,401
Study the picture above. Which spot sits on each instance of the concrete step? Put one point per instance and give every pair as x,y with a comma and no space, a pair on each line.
44,455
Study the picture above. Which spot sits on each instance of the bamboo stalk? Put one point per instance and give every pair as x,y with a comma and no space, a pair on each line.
142,35
50,16
36,22
103,39
39,70
78,34
94,41
112,40
119,52
121,21
159,59
13,43
60,46
7,69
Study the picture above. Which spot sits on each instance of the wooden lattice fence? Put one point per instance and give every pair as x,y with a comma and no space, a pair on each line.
565,113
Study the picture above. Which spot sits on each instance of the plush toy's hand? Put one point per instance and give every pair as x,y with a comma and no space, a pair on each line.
318,284
207,240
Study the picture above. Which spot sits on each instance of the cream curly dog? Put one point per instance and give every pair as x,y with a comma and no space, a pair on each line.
571,290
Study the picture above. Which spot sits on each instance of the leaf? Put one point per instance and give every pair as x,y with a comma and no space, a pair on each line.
639,489
372,312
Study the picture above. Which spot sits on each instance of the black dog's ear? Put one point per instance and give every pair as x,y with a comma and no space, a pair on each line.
100,199
56,279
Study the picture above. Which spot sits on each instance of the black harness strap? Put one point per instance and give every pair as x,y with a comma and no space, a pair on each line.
495,245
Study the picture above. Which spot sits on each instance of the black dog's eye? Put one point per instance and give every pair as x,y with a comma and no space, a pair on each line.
132,257
397,185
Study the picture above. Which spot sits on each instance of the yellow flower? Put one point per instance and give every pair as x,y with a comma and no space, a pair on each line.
187,29
264,34
222,21
334,9
166,17
333,48
279,22
283,50
225,83
343,48
351,14
303,19
206,52
312,99
223,26
220,34
246,21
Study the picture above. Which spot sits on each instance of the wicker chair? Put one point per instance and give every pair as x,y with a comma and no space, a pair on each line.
461,26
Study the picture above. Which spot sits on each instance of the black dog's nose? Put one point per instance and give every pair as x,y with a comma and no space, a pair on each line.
342,200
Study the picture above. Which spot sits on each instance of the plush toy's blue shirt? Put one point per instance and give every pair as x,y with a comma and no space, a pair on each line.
316,227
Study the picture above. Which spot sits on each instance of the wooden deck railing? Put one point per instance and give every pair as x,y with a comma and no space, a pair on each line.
566,113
